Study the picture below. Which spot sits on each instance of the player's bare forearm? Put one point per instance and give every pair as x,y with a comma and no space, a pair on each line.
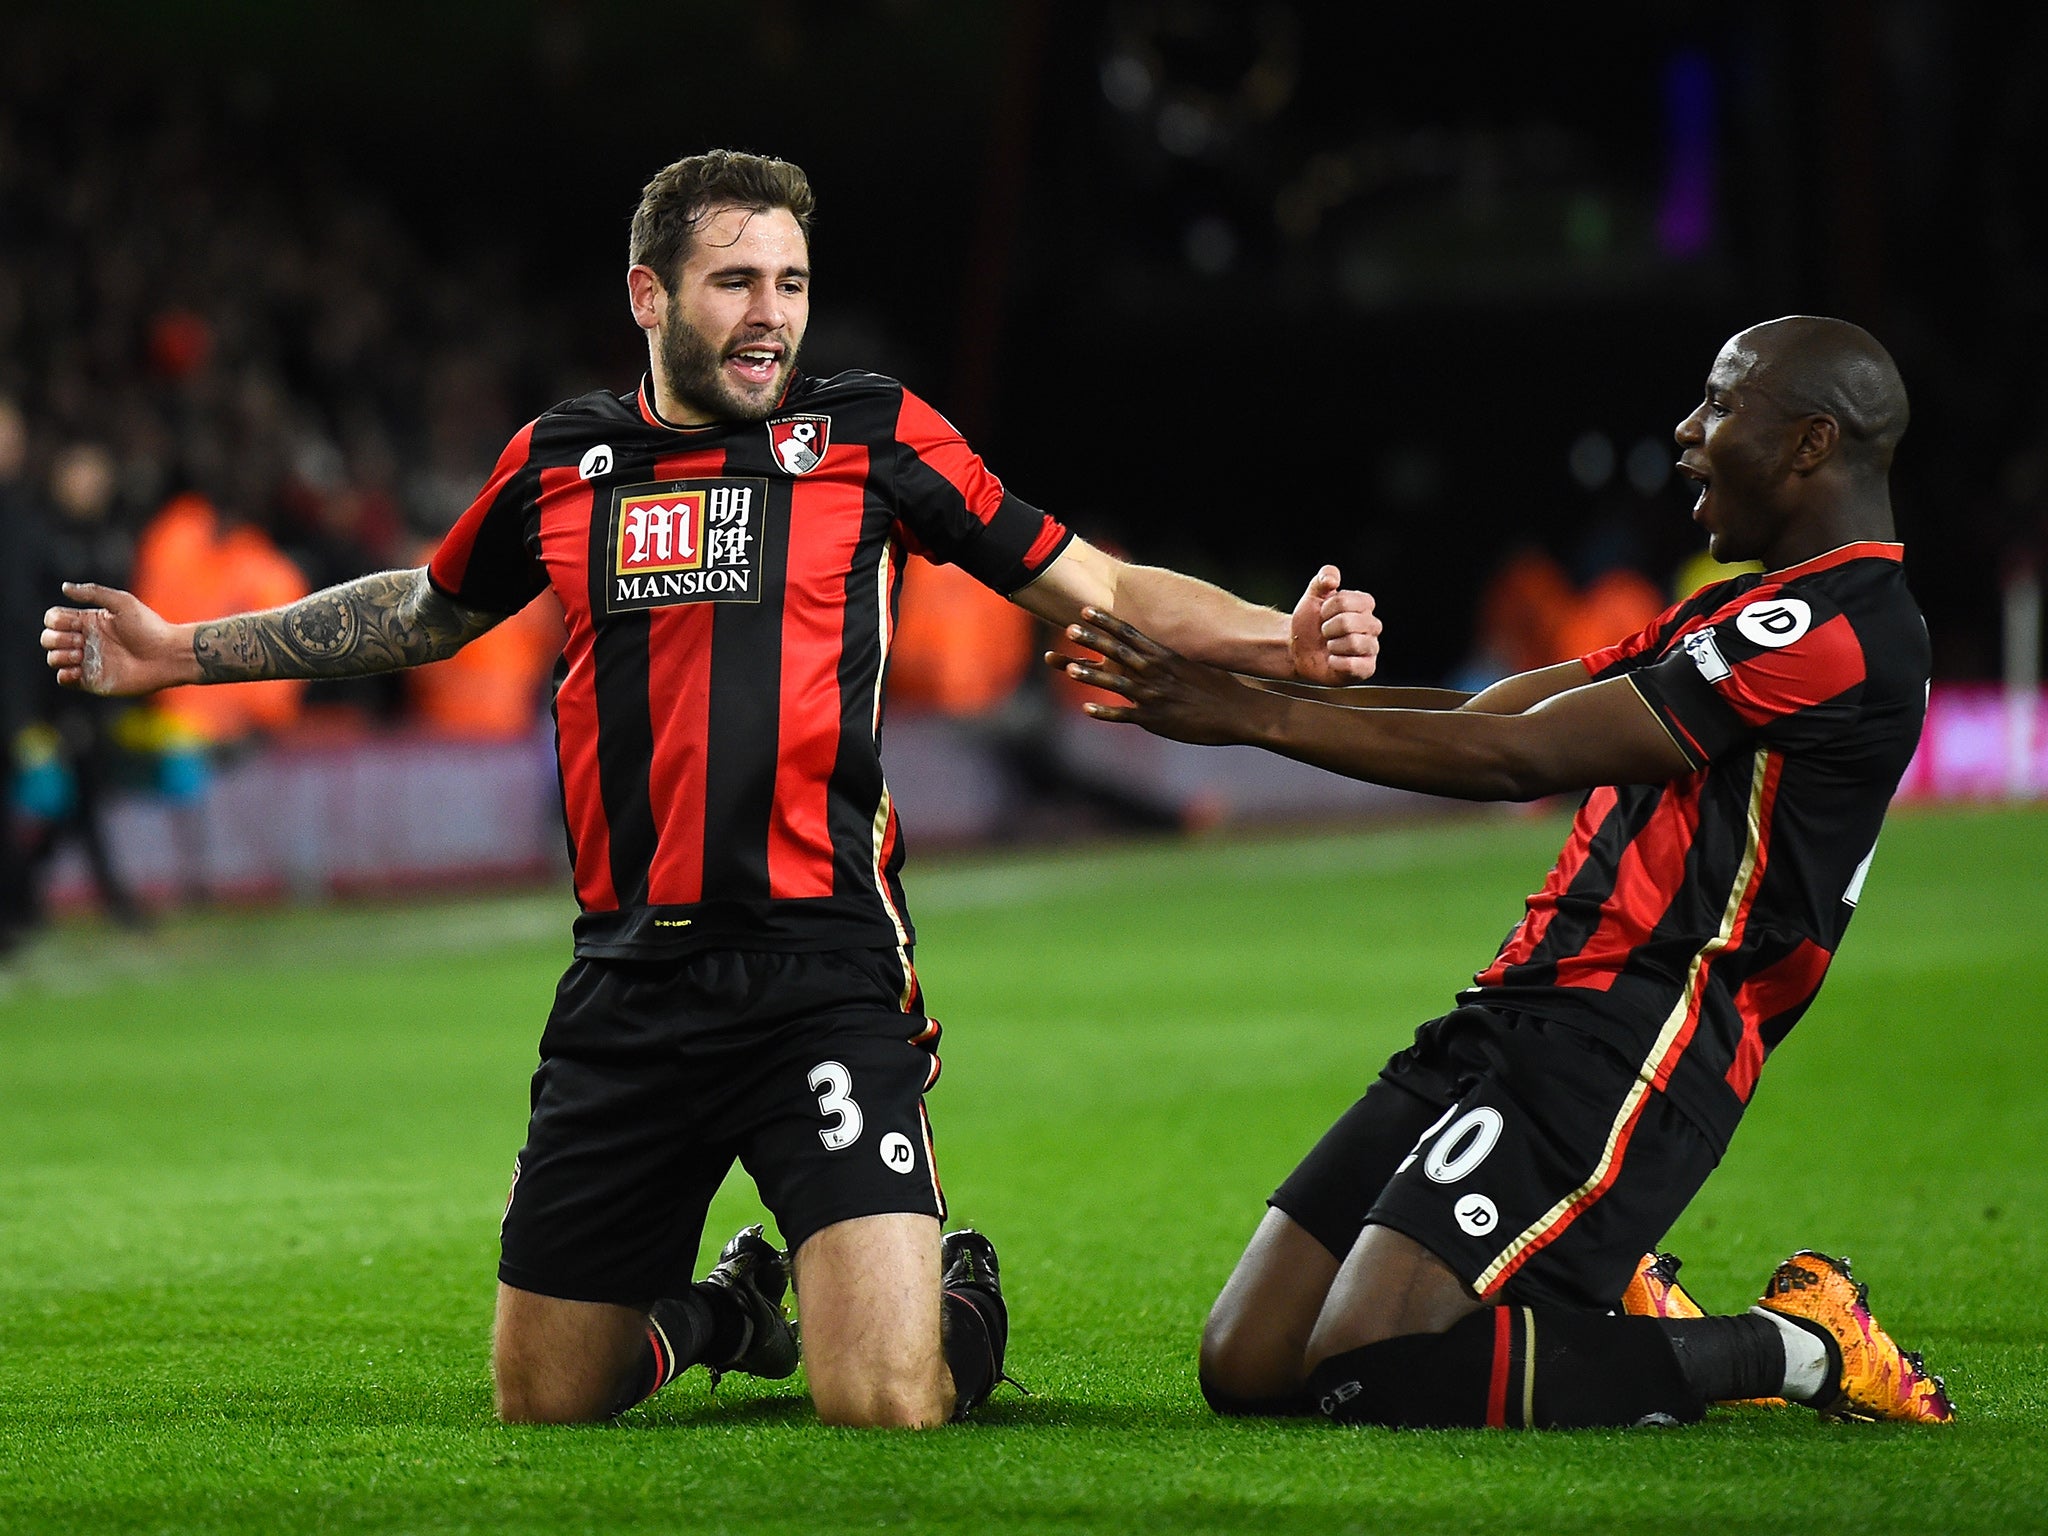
1525,690
1205,622
1464,754
1332,636
1365,696
377,623
1602,733
1192,616
1509,696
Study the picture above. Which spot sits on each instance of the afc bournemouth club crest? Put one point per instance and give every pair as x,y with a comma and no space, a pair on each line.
799,442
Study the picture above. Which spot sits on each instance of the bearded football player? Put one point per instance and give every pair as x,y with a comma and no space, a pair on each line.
726,541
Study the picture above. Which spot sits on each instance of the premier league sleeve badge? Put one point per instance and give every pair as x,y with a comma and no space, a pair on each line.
799,442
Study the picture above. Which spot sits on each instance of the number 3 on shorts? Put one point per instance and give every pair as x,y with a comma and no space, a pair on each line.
830,1082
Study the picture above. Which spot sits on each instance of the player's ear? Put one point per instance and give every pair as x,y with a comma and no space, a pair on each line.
1819,436
646,294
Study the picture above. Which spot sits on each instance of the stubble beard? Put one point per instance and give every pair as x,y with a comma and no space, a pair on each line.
694,363
1749,516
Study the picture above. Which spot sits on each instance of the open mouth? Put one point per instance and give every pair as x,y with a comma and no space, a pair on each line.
756,364
1700,478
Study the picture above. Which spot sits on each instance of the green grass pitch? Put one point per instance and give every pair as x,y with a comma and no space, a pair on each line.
252,1166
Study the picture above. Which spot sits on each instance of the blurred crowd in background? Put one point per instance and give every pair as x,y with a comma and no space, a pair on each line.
222,389
273,295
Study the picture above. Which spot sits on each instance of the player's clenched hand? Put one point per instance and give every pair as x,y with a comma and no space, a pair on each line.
1333,636
1168,694
118,645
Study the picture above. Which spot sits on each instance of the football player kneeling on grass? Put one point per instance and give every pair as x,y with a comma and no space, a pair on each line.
1467,1243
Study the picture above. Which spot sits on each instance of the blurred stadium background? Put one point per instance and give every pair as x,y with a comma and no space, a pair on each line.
1239,288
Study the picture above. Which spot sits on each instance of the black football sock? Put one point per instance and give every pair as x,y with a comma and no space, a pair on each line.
1513,1368
974,1330
705,1323
1728,1358
1813,1360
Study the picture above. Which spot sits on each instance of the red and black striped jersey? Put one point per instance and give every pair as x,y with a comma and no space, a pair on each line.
730,592
1689,923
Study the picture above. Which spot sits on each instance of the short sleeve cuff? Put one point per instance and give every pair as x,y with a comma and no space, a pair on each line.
1698,719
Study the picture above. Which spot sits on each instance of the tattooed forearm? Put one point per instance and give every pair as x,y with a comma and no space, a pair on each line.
372,624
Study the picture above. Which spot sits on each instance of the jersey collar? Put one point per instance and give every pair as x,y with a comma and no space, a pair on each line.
654,418
1867,549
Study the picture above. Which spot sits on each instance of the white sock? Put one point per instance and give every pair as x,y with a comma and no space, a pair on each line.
1806,1358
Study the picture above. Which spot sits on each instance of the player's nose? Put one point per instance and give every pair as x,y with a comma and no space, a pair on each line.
767,310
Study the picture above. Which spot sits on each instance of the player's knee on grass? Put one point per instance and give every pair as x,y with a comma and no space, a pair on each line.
560,1362
531,1391
868,1292
893,1377
906,1402
1256,1335
522,1400
1246,1367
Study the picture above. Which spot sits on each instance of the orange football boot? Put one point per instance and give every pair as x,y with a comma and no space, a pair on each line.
1875,1379
1654,1291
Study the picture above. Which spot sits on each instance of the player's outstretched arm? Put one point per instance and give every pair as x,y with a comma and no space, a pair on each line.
1331,637
1601,733
1509,696
116,644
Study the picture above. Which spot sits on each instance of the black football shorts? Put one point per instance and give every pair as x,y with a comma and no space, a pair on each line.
1523,1153
808,1068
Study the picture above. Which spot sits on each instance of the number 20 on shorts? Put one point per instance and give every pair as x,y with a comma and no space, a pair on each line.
1462,1146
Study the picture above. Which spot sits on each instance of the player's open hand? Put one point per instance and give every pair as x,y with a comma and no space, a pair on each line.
1169,695
117,645
1333,637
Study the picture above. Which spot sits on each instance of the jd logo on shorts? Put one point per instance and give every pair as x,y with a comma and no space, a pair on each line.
799,442
685,541
1774,623
898,1153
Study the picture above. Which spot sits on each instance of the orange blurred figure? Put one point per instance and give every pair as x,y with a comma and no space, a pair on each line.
190,564
1614,607
960,649
1526,604
491,689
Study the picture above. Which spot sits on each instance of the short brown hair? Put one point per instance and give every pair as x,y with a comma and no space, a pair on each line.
674,204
